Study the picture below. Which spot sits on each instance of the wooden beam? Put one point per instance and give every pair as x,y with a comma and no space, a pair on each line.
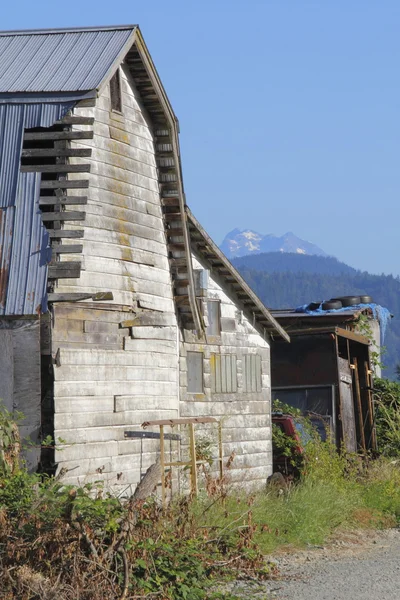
76,296
65,233
86,102
64,270
75,121
65,249
84,168
51,200
358,403
55,152
72,184
170,201
58,135
72,215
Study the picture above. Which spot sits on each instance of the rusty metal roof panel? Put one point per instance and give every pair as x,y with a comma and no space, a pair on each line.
24,247
6,230
59,60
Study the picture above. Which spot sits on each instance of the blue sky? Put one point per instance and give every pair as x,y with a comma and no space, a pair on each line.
289,111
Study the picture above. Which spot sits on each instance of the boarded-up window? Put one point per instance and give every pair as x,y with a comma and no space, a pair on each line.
195,372
214,317
252,373
115,92
223,373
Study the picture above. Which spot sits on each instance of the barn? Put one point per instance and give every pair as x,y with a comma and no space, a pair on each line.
116,307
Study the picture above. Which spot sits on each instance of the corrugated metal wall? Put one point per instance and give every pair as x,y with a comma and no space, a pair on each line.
24,248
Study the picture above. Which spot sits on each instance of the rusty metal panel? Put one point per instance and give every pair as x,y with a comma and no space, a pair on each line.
223,373
59,60
24,241
6,230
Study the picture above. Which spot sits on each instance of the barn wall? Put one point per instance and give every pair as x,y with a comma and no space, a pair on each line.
117,361
245,414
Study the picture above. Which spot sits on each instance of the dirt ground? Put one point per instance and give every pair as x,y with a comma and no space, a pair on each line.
360,565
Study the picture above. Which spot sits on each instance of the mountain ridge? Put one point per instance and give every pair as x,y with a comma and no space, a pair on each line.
244,242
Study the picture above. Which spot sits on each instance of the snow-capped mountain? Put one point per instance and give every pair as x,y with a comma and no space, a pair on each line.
241,242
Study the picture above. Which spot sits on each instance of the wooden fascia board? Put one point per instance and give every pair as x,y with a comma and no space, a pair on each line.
352,335
238,278
173,124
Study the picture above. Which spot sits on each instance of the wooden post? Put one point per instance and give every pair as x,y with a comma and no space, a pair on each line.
193,458
162,464
370,405
221,454
359,405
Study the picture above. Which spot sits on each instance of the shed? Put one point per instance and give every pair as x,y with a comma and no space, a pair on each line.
326,372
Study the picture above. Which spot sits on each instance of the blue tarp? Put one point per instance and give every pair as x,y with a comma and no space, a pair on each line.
380,313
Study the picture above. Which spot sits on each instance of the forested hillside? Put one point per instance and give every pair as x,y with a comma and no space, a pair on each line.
289,280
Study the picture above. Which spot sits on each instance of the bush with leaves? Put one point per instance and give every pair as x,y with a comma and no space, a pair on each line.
387,416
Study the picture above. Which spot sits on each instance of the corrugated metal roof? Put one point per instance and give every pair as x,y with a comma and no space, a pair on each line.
24,243
65,60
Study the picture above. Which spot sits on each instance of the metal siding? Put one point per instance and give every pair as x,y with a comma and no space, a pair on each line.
11,142
6,229
24,251
65,61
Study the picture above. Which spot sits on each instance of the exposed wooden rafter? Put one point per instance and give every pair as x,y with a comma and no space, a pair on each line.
48,152
166,145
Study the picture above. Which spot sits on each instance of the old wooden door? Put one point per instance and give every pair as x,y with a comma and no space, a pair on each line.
347,406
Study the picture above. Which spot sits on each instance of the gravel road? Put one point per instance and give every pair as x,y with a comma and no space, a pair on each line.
361,566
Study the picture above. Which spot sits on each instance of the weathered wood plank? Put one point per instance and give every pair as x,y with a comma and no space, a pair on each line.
129,403
154,333
73,183
161,346
94,357
58,135
111,373
126,253
103,419
65,249
92,388
75,120
65,233
126,214
63,216
64,270
50,152
82,168
150,317
89,404
51,200
105,143
76,296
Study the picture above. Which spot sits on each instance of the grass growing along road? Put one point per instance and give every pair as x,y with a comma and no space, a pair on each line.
65,542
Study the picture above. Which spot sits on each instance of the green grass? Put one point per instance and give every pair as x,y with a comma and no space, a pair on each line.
337,493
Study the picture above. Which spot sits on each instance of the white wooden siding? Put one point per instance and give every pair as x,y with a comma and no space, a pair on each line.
236,372
111,378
